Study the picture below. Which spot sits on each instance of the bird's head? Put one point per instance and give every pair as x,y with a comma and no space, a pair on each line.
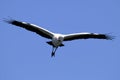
58,37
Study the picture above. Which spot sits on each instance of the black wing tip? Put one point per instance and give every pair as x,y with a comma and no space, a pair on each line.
109,37
10,21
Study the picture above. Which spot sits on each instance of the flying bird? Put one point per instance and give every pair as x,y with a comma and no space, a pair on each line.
57,39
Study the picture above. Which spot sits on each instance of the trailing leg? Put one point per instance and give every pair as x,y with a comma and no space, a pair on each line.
53,51
52,54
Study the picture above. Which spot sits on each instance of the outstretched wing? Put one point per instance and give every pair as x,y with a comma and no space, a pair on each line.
86,36
31,27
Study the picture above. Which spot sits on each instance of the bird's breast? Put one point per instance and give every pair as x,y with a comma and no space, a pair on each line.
57,41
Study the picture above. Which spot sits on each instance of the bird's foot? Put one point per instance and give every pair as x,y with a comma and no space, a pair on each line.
53,54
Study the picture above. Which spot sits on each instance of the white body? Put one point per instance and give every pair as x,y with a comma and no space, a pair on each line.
57,39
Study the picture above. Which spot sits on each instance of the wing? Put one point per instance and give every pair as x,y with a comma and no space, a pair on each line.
31,27
86,36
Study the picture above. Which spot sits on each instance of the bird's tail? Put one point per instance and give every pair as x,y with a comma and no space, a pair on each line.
50,43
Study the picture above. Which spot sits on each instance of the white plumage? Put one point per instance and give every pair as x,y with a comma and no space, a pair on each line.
57,39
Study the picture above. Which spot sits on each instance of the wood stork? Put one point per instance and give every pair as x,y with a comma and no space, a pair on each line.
57,39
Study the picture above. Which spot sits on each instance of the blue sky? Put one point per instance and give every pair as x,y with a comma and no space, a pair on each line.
26,56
